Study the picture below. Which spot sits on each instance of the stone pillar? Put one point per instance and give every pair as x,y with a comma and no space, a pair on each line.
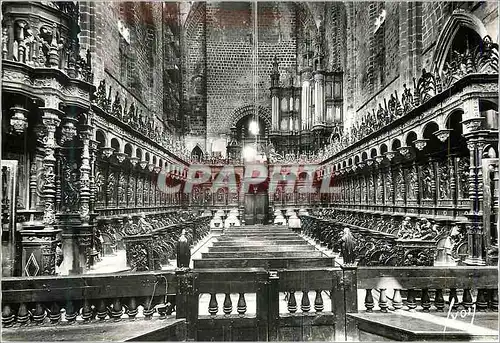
319,97
275,109
275,102
305,110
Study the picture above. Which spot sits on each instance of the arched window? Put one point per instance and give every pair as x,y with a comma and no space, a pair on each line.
197,154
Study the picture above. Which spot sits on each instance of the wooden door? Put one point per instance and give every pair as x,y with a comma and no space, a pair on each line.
256,207
250,209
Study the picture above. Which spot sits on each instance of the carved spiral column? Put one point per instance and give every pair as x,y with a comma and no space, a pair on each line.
50,120
85,169
93,189
453,160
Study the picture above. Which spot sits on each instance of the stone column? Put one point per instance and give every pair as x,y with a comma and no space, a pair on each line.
275,109
305,110
319,96
275,102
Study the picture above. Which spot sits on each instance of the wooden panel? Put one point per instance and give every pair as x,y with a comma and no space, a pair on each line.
52,288
267,263
428,277
322,279
230,328
229,280
307,327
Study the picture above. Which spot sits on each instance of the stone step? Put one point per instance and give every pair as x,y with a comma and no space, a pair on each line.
256,248
266,263
262,254
233,231
263,235
245,242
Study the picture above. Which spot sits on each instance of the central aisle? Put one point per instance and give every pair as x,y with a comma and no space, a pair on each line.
265,246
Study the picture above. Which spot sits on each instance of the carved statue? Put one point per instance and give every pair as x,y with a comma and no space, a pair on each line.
144,226
426,182
59,254
444,181
406,230
348,246
183,251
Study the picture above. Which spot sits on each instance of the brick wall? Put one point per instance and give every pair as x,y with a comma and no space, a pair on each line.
230,64
194,71
100,32
411,31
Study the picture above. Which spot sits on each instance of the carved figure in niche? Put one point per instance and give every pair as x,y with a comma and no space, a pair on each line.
444,181
348,247
412,184
183,251
426,182
463,167
399,180
70,191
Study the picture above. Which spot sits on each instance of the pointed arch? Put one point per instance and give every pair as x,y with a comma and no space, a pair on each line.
241,112
459,18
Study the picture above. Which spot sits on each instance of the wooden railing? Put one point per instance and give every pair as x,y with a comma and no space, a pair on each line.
30,302
302,320
85,298
425,289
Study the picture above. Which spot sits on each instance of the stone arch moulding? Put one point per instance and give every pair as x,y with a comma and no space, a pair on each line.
457,19
241,112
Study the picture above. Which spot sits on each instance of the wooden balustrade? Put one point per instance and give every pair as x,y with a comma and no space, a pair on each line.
85,298
106,299
431,289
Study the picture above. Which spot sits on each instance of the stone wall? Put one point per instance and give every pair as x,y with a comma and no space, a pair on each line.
224,47
133,32
381,62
